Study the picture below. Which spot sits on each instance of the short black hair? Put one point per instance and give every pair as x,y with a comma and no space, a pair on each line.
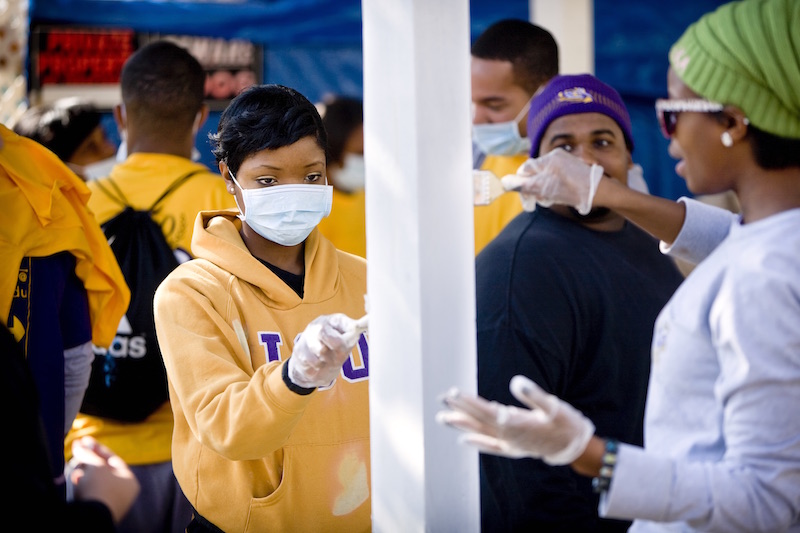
163,86
773,152
342,115
530,49
61,126
265,117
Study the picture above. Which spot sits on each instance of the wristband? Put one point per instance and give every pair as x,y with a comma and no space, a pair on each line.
603,481
297,389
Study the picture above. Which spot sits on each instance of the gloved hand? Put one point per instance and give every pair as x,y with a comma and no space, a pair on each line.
322,349
557,177
551,430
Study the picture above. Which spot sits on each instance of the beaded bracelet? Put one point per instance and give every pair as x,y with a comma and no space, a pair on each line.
603,481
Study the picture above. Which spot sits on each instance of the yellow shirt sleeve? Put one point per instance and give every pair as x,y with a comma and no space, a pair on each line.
491,219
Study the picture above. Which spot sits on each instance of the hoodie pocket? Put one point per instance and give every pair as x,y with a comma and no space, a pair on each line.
323,488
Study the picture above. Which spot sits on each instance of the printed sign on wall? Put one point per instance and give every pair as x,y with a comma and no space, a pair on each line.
231,65
81,56
71,61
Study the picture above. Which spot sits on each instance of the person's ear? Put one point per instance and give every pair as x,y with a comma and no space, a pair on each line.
223,171
735,123
119,117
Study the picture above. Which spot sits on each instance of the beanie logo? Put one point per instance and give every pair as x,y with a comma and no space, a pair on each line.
680,60
576,95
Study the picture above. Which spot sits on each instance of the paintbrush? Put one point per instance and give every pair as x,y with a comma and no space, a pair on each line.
486,187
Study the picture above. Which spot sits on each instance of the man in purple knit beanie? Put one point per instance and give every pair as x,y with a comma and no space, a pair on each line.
573,94
568,298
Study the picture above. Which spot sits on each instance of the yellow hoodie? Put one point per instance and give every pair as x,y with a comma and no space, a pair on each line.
250,454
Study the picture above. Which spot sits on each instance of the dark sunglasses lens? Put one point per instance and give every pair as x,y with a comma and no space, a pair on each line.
662,122
667,120
671,120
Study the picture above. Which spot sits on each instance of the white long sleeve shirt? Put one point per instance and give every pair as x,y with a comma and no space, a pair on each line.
704,228
722,423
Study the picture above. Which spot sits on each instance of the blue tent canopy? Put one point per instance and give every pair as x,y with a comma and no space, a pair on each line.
315,46
272,22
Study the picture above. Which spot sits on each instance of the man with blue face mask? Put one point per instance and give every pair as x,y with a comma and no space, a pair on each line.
510,61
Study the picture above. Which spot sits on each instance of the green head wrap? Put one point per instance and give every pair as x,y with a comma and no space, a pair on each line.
747,54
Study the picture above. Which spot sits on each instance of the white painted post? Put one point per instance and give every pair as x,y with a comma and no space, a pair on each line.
420,248
572,24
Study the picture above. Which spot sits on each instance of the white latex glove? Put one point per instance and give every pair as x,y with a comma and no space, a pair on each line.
636,179
552,430
557,177
322,349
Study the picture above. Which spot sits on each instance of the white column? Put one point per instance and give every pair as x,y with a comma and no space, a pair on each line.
572,24
420,248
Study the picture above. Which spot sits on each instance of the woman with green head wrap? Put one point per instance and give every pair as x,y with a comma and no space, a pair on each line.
722,434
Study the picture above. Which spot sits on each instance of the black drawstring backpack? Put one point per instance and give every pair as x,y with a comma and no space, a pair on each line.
128,381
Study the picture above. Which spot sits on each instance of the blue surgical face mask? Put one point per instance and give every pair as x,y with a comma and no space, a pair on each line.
502,138
285,214
351,177
99,169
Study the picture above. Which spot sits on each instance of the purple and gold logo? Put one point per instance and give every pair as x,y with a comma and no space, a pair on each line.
576,95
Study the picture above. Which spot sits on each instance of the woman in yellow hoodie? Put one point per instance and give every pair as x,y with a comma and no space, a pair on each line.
271,416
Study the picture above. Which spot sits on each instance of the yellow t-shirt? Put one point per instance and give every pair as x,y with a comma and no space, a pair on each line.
143,178
345,227
491,219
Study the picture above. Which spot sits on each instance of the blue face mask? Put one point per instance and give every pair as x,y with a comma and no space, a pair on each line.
351,177
502,138
285,214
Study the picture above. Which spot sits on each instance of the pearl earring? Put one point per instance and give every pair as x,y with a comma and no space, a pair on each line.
727,140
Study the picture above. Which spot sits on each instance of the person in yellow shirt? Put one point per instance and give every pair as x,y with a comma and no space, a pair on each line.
161,110
268,372
511,59
345,227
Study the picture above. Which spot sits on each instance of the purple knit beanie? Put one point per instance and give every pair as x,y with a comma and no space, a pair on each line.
568,95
